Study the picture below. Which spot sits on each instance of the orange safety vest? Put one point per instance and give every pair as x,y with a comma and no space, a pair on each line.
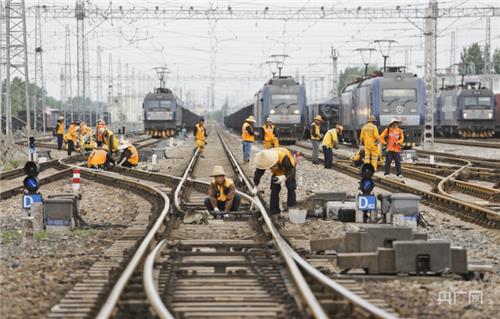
393,137
134,158
221,191
60,128
277,169
200,132
97,158
71,134
245,136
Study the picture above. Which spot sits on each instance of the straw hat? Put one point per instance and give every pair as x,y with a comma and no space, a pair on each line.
339,127
318,117
266,159
218,171
372,118
394,120
250,119
123,145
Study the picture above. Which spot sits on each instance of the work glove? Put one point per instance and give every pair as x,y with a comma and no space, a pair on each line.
280,179
217,210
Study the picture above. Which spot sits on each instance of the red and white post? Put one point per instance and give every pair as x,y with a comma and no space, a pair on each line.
76,180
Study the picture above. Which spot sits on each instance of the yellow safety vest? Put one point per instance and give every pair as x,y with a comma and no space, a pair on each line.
113,147
245,136
330,139
278,170
221,191
369,135
71,134
268,133
316,129
200,132
60,128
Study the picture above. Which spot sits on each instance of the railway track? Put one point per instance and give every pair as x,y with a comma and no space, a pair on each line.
257,270
437,197
478,143
11,181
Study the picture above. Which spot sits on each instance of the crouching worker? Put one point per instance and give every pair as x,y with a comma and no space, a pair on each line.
282,164
222,195
358,158
100,158
129,156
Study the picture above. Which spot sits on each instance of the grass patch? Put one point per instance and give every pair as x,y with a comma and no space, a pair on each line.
84,232
6,236
41,235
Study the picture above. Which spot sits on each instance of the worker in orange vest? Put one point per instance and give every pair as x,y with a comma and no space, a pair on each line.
129,156
200,134
247,137
270,135
72,136
392,138
60,132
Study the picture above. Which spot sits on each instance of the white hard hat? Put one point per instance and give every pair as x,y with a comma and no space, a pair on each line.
250,119
394,120
266,159
123,145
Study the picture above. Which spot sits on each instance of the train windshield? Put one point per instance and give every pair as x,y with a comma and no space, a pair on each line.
480,102
399,95
284,103
158,104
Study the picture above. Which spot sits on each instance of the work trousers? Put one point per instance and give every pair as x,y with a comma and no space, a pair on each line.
274,201
388,160
59,141
247,149
328,153
222,205
315,149
371,155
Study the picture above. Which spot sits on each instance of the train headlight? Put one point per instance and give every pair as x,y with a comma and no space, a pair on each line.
297,112
465,115
490,115
273,111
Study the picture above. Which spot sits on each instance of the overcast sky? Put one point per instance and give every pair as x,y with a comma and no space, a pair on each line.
244,46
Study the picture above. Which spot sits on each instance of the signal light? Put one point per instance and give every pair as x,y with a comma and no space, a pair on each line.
31,182
366,185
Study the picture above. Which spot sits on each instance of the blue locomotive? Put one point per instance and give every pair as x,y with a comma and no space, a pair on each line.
385,95
283,100
466,110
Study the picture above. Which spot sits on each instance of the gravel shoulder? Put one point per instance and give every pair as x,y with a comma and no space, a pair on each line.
411,298
35,275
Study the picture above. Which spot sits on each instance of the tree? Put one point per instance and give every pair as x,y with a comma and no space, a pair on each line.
472,59
351,73
496,61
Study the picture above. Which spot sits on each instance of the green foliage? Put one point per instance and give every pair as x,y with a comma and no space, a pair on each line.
6,236
41,235
351,73
496,61
84,232
472,55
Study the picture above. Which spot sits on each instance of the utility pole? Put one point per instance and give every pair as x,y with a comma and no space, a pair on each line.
2,46
17,63
86,69
213,60
68,80
119,78
110,75
488,66
62,82
452,56
80,53
335,77
98,90
430,73
38,105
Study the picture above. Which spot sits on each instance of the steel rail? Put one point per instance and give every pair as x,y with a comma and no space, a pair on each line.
344,292
185,176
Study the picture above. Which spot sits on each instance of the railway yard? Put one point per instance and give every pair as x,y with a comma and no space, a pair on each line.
150,249
249,159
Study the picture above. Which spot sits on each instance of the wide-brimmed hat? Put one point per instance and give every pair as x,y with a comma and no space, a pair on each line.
318,117
372,118
266,159
394,120
269,120
250,119
123,145
218,171
339,127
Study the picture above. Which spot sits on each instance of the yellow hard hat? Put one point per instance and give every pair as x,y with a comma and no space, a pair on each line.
372,118
339,127
218,171
266,159
318,117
